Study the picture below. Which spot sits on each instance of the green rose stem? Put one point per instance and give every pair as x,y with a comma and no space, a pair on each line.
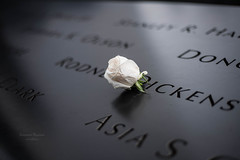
140,82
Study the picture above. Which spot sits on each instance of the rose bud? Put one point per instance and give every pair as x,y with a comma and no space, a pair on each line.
124,73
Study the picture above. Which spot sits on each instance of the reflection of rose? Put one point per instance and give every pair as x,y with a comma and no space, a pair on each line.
122,72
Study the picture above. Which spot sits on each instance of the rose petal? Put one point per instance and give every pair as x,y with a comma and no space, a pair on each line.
115,84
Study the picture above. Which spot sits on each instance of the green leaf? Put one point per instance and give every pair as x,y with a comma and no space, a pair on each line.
141,81
145,78
139,87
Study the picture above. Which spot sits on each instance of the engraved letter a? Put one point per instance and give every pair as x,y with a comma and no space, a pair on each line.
101,121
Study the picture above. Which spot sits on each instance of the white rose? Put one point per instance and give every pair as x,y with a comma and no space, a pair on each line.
122,72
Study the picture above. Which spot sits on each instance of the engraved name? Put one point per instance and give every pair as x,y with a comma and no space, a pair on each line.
70,17
190,28
127,135
93,39
12,85
209,58
165,89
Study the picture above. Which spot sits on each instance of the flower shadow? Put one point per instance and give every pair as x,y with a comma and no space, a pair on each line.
128,101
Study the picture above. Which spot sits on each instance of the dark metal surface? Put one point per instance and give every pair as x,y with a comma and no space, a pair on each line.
55,103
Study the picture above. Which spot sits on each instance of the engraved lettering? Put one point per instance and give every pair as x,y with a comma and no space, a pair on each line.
23,95
231,34
83,67
124,134
95,70
151,85
215,30
230,104
157,89
115,129
178,91
71,35
97,40
193,54
61,63
72,65
102,121
138,140
19,90
212,58
12,85
102,74
212,102
189,29
192,28
226,62
173,151
238,65
195,94
34,96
